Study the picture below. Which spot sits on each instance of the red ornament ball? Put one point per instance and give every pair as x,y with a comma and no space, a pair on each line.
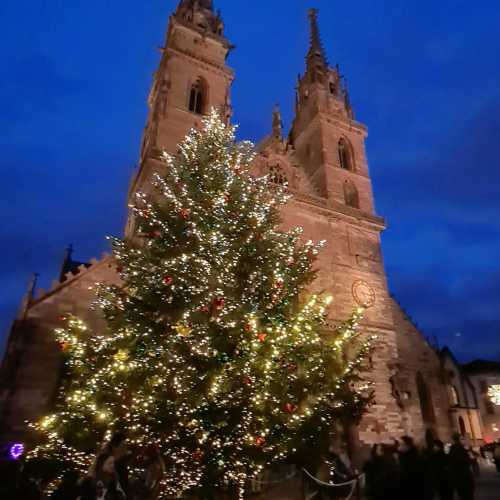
197,454
168,280
185,213
260,441
247,380
279,284
219,303
290,408
262,337
154,234
61,318
63,346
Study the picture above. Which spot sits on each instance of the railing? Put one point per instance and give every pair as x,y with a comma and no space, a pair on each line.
342,491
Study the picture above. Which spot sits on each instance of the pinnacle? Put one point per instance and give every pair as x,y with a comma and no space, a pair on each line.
277,123
316,50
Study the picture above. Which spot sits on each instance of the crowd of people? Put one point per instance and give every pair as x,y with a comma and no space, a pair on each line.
395,471
401,470
107,478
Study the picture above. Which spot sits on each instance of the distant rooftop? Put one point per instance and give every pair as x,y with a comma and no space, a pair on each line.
482,366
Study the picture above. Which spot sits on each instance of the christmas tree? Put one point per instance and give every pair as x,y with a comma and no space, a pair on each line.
213,350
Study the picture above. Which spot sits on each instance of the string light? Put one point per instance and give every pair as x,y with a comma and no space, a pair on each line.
494,394
207,352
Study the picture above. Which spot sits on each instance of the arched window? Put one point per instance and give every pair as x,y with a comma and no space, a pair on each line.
351,195
197,96
277,176
461,425
345,155
455,401
424,396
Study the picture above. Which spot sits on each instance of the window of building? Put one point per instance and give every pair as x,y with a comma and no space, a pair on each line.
426,406
333,88
351,195
277,176
345,155
461,426
197,96
455,401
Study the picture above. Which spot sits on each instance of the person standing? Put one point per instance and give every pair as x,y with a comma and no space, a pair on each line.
496,455
382,474
375,476
102,481
415,475
461,469
148,486
439,466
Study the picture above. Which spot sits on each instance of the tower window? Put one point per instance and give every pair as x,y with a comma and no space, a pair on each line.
333,89
197,97
455,401
351,195
277,176
345,155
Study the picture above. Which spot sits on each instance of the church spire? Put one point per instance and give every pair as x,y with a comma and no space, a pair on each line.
316,57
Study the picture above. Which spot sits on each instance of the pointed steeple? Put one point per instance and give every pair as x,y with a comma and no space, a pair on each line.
316,57
277,123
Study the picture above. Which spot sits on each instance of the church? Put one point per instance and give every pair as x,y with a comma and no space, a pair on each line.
323,161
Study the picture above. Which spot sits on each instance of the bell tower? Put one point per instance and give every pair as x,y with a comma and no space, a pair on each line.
327,139
192,78
329,146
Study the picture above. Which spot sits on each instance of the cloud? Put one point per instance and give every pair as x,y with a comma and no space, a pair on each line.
443,242
455,177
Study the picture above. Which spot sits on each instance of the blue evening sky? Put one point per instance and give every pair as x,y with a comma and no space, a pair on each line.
423,75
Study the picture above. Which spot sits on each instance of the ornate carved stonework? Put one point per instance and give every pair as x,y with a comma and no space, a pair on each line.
363,293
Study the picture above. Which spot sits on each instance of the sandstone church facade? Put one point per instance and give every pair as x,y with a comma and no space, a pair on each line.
323,160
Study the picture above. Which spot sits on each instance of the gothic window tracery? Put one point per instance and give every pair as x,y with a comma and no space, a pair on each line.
351,195
197,95
277,176
345,155
426,406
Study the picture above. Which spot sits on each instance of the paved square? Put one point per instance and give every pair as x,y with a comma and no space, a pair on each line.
488,484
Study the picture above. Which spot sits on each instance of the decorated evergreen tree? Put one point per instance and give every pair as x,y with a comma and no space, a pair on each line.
213,350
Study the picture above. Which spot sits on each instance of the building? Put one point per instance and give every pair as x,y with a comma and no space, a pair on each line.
465,412
485,378
323,159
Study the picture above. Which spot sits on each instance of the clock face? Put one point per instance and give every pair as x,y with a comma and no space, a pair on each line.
363,293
